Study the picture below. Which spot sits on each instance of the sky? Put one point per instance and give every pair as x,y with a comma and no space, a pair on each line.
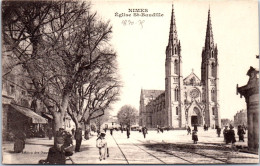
140,43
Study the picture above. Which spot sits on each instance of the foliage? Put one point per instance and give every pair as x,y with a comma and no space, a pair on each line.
127,115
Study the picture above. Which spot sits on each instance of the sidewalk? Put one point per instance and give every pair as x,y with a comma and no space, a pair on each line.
37,149
89,154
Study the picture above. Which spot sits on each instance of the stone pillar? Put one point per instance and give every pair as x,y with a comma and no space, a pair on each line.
251,94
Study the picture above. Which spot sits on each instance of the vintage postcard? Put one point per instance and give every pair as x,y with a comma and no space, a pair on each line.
130,82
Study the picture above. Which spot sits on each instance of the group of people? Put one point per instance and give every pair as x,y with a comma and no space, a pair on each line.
229,134
63,147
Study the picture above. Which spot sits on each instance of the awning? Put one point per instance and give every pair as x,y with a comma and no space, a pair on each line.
29,113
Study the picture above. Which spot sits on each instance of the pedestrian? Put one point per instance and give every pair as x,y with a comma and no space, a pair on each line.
195,136
121,128
78,137
128,132
161,129
101,144
19,141
231,135
205,127
240,133
68,144
188,130
111,131
56,154
144,130
225,134
158,129
218,131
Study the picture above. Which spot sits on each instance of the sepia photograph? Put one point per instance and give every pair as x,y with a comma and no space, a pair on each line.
130,82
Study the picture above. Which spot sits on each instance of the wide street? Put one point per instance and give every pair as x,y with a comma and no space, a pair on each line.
170,147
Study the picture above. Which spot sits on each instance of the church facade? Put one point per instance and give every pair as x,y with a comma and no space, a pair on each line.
186,101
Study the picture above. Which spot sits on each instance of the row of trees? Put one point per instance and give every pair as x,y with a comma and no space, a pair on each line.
64,49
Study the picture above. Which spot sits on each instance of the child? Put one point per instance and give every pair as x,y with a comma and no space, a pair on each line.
102,146
194,136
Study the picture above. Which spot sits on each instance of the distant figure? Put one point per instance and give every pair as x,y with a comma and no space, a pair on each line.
231,136
105,130
78,137
128,132
161,129
218,131
240,133
158,129
121,128
205,127
195,136
111,131
101,144
225,134
144,130
188,130
19,142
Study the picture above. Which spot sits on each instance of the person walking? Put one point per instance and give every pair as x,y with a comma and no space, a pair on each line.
218,131
78,138
101,144
128,132
231,135
144,130
188,130
195,136
225,134
111,131
240,133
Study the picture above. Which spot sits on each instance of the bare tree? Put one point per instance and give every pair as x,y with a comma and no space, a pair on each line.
127,115
59,44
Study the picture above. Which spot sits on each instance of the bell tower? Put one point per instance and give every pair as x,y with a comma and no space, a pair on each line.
173,78
210,78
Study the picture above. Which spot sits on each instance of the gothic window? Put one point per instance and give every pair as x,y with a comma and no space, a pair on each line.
177,111
175,67
175,50
212,53
176,94
213,94
212,69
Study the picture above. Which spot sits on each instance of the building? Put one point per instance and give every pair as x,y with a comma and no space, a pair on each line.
251,94
186,100
19,111
226,122
240,118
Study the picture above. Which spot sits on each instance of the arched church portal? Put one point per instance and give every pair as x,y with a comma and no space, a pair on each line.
196,118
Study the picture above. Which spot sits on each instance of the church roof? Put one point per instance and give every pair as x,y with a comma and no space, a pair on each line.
151,93
192,79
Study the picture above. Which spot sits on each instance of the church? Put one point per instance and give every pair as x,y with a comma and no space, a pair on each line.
186,101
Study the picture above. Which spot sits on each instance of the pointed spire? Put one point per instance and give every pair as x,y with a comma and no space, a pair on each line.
209,41
173,37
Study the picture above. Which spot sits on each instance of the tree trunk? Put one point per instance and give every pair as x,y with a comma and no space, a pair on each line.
87,128
58,120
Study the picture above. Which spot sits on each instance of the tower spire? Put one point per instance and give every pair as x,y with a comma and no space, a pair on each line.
209,41
173,36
